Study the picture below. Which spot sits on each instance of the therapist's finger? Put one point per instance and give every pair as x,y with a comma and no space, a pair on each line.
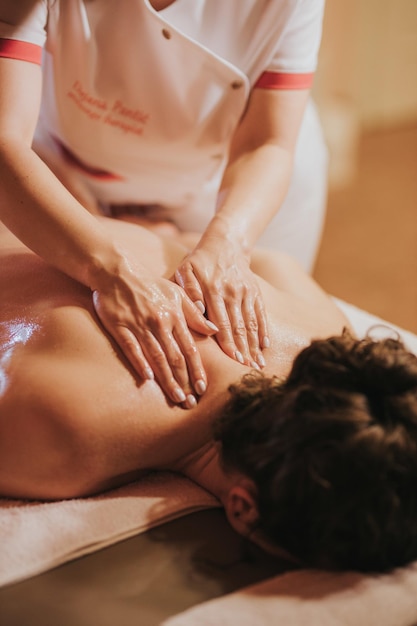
250,312
168,364
263,330
185,277
126,341
219,315
183,365
173,354
196,372
238,328
132,350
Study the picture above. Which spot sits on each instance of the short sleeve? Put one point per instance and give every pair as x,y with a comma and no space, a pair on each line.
23,29
295,57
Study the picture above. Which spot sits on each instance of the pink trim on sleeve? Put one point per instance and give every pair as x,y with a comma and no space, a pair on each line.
21,50
281,80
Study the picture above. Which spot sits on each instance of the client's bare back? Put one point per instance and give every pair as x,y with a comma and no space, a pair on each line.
73,417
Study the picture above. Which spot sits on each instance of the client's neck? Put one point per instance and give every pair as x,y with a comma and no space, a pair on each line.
204,468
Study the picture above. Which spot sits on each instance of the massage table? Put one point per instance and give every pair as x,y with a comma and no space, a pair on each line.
160,552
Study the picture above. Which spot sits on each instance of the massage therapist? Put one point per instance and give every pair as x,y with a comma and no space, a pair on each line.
187,111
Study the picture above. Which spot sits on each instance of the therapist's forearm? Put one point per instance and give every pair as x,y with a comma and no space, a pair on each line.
37,208
253,189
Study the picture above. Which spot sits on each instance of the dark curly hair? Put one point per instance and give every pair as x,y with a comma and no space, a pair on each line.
333,452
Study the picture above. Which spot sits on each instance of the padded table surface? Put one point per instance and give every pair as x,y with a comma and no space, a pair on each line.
142,580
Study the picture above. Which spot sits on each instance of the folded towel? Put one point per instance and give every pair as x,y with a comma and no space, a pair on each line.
37,536
362,322
314,598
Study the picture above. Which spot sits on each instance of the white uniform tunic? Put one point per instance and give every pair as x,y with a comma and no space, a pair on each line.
142,104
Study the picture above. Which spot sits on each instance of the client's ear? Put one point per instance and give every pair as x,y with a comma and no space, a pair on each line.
241,508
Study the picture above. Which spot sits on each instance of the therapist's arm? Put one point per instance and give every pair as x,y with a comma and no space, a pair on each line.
257,177
254,186
149,317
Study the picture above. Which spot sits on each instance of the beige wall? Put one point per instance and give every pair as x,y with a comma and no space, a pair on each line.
387,85
369,57
367,76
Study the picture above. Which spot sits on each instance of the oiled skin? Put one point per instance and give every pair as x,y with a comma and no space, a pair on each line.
73,417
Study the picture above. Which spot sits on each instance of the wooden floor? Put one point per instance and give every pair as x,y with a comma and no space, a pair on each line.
369,248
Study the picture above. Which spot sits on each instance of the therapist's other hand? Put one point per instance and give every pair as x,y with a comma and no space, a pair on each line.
216,275
150,319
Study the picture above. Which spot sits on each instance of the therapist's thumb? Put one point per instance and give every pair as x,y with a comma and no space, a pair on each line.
185,278
196,320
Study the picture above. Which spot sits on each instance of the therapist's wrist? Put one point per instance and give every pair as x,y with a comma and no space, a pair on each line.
106,264
229,233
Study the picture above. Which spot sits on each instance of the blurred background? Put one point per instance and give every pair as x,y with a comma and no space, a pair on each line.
366,92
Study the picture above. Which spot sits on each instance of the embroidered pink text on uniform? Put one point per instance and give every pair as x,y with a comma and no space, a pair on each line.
117,114
124,126
133,114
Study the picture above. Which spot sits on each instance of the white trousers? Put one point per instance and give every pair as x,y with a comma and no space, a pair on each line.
298,225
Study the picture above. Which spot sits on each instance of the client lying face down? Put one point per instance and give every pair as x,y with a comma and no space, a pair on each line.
317,454
332,451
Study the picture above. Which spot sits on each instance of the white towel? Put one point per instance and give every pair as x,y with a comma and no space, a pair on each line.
314,598
362,322
37,536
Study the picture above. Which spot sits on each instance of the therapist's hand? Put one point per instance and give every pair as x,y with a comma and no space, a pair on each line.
150,319
217,276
